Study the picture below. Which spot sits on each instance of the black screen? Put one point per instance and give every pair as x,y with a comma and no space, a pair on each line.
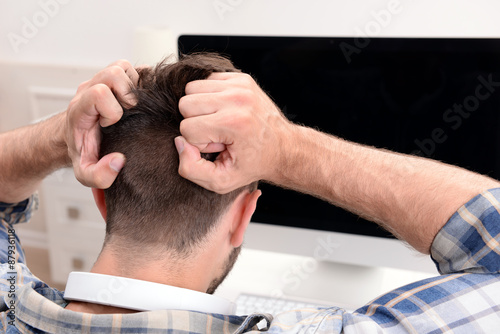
435,98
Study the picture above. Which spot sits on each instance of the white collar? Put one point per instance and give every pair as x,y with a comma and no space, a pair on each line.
141,295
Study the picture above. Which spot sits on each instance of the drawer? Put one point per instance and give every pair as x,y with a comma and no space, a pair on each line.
65,259
72,206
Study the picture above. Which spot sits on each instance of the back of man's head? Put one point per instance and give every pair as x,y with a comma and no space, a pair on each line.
150,206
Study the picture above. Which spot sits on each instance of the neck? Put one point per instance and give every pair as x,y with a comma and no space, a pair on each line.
194,274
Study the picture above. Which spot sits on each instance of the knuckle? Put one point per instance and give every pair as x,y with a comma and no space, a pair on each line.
182,126
71,105
184,169
236,97
189,87
187,128
98,91
122,63
184,106
240,120
82,86
246,118
79,177
114,71
222,184
247,79
243,96
215,186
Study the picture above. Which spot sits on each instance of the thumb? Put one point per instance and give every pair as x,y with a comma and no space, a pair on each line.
196,169
102,174
189,158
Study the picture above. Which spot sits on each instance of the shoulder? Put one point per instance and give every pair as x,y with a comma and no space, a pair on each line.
14,278
457,302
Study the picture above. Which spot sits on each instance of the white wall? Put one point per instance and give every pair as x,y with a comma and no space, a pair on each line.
96,32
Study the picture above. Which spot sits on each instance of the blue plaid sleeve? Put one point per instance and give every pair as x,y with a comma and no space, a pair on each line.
470,241
11,214
465,299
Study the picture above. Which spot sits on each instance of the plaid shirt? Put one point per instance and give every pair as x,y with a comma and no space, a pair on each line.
464,299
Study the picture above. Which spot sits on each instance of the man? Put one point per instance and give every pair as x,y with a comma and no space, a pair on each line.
161,227
413,197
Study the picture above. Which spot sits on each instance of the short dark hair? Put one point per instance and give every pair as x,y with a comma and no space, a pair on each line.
150,204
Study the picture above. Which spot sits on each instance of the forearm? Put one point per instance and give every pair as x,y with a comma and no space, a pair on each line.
412,197
29,154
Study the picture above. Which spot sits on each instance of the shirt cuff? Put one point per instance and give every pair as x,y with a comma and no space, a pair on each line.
18,212
470,240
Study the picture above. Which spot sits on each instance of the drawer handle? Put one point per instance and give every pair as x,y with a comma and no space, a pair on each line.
73,213
77,263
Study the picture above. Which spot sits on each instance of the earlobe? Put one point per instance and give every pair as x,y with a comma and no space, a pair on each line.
100,201
248,208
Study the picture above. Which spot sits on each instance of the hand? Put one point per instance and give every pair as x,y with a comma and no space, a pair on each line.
229,113
94,104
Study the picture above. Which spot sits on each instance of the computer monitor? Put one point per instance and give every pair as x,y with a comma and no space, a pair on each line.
433,97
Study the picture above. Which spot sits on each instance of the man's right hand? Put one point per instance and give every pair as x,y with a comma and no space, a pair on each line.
94,104
411,196
229,113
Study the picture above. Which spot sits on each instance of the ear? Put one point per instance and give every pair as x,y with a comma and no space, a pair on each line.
100,201
247,203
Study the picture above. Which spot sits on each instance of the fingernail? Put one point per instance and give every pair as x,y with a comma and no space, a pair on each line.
117,163
179,144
